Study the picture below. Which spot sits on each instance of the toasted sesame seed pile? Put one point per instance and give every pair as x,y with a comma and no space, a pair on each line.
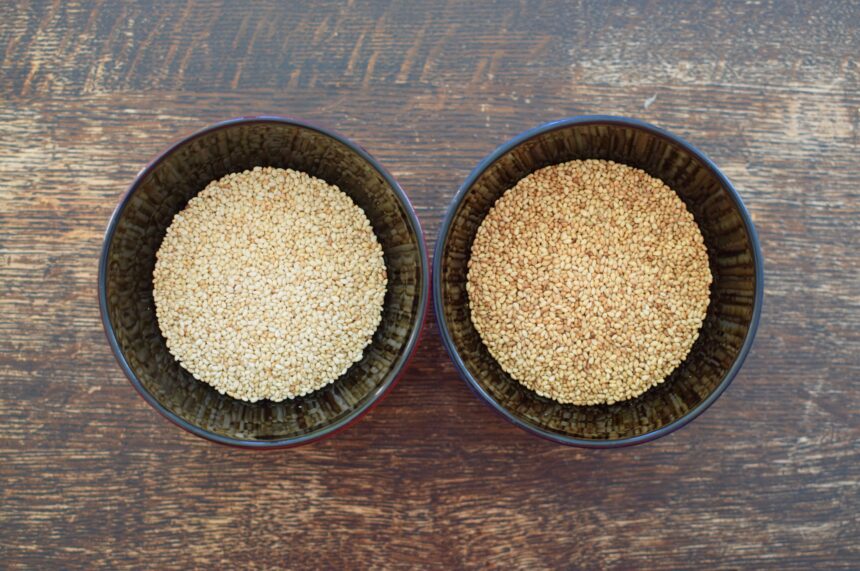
269,284
589,281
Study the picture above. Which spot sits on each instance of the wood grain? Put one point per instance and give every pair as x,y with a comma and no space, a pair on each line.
91,477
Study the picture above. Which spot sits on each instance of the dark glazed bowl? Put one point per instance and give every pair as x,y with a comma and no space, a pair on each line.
138,226
736,294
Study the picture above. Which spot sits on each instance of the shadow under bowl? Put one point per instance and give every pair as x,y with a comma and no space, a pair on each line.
734,256
138,227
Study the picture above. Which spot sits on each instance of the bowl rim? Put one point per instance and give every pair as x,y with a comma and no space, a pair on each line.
437,281
397,370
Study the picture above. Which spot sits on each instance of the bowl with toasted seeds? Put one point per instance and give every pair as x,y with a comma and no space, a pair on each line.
598,281
263,282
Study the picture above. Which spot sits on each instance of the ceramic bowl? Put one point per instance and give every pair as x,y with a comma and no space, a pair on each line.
736,293
138,226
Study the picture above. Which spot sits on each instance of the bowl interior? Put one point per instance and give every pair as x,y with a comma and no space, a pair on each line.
141,226
730,250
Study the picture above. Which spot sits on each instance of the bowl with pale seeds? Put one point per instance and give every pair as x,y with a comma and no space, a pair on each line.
598,281
263,282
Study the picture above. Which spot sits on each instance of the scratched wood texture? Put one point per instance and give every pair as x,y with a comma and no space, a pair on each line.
91,477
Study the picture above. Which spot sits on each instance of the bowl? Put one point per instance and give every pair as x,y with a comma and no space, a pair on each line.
734,256
138,226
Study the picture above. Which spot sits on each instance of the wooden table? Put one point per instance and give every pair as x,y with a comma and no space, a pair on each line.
90,476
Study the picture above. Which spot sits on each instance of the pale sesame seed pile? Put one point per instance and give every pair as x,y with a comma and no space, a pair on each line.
269,284
589,281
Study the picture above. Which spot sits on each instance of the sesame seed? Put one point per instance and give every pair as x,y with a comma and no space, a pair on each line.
589,282
269,284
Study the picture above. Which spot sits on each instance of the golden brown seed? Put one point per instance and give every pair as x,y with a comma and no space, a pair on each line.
589,281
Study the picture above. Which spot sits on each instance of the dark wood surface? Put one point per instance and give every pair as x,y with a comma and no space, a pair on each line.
90,476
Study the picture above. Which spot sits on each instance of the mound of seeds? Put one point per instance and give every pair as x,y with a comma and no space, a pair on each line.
269,284
589,281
